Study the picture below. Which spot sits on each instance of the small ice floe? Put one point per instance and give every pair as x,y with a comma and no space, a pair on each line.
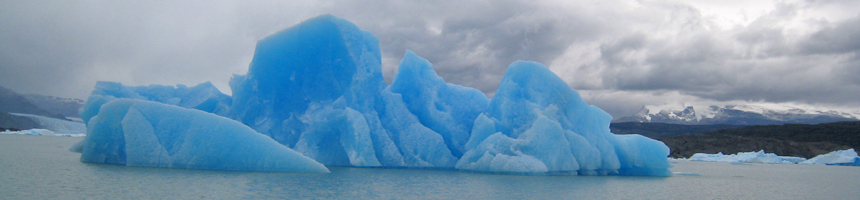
44,132
747,157
846,157
685,174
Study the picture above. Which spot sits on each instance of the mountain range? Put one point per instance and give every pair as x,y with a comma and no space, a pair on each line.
21,112
746,114
68,107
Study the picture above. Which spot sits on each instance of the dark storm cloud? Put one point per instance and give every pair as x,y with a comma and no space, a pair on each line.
850,70
811,69
841,38
763,61
469,43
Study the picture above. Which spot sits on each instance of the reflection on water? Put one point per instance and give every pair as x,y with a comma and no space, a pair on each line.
40,167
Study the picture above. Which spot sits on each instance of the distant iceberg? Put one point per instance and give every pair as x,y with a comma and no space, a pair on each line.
144,133
747,157
317,88
41,132
846,157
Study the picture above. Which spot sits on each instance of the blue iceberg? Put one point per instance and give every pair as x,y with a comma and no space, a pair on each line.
205,97
317,88
445,108
847,157
537,124
747,157
150,134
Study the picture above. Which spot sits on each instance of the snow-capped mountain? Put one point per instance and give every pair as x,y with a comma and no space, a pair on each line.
746,114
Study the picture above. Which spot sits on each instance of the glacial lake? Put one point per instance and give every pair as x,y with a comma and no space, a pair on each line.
41,167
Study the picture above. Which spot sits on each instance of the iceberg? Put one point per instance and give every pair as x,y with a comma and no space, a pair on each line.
846,157
35,131
204,96
317,87
537,124
150,134
316,90
40,132
445,108
747,157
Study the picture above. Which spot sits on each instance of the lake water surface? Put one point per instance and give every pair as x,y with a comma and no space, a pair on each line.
41,167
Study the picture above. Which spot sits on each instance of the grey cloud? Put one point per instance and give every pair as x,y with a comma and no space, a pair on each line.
649,48
849,71
759,62
63,48
473,43
613,53
470,43
843,38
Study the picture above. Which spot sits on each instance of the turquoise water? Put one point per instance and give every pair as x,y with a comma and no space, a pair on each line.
41,167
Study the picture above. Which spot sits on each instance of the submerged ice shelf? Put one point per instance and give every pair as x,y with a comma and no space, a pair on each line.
317,88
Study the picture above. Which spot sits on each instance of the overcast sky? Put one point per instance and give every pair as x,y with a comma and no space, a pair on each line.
620,55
